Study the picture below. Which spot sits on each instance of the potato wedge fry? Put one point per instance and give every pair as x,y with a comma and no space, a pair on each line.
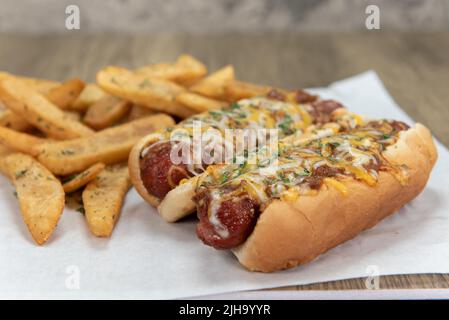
40,195
212,86
197,70
83,178
73,115
43,86
40,112
185,70
138,112
14,121
236,90
156,94
11,120
65,94
90,94
4,151
199,103
103,199
108,146
106,112
21,142
40,85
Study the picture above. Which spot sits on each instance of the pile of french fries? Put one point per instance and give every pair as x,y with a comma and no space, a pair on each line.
59,139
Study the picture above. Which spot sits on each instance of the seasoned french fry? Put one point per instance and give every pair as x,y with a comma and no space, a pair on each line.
43,86
40,195
83,178
185,70
103,199
138,112
197,70
65,94
106,112
199,103
73,115
21,142
4,151
108,146
212,86
236,90
90,94
40,85
14,121
11,120
156,94
40,112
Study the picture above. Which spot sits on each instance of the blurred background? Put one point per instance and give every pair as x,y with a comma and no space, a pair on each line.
285,43
217,16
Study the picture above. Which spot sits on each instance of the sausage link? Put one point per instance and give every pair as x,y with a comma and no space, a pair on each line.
322,110
237,218
159,175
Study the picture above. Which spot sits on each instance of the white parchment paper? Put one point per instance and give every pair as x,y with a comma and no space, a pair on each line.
147,258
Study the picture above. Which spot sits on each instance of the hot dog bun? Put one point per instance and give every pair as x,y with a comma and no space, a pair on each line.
178,203
288,234
134,167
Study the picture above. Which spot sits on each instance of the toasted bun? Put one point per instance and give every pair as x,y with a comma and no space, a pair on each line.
134,168
291,233
178,203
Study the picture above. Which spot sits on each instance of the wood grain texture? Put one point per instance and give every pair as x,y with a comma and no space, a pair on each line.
414,68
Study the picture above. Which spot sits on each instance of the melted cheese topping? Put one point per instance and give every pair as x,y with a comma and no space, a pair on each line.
213,218
254,113
337,185
355,152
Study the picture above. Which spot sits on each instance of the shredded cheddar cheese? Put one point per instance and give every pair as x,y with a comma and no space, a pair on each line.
337,185
324,157
290,195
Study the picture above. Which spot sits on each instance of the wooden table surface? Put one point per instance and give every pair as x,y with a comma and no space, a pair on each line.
414,68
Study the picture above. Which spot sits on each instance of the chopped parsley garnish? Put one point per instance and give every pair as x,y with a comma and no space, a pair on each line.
21,173
67,152
68,178
235,106
334,144
242,167
283,177
144,83
225,176
305,173
113,80
285,124
216,115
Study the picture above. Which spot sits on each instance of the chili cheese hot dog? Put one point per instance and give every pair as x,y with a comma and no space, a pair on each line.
321,193
179,201
153,172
